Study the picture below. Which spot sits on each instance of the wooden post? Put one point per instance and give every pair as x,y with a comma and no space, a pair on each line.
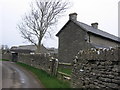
14,57
54,66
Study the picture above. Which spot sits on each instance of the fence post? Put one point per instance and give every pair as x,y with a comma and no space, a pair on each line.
14,57
54,66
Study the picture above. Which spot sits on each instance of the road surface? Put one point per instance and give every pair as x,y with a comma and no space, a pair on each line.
14,76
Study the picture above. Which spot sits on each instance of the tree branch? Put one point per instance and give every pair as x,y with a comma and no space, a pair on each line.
41,17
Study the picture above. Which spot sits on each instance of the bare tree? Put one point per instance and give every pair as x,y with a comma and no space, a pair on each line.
42,16
4,47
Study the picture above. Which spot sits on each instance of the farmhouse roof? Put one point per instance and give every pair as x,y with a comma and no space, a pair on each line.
92,30
32,48
97,31
27,48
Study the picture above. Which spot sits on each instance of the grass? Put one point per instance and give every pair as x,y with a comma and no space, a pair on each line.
47,80
4,60
65,70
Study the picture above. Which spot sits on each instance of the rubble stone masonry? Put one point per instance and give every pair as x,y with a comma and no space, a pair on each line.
97,68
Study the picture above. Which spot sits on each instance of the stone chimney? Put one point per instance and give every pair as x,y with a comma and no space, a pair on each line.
73,16
94,25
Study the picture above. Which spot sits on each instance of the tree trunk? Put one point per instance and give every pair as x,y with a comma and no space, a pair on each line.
39,47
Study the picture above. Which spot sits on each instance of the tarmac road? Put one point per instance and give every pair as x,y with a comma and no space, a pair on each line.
14,76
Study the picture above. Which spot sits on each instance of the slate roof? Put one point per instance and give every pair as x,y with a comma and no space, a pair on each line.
27,49
94,31
32,48
21,51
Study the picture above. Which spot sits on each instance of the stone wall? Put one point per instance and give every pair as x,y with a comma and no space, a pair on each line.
41,61
97,68
6,56
45,61
102,41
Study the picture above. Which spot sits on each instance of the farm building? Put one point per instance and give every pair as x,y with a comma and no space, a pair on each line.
76,35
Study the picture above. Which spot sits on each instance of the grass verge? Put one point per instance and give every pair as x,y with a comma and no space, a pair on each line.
47,80
4,60
65,70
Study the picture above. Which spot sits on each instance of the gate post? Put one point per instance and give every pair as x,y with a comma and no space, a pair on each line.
54,66
14,57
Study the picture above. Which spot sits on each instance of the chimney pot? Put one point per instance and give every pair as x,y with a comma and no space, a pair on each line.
94,25
73,16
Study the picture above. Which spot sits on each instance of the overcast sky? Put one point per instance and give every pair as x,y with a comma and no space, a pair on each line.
105,12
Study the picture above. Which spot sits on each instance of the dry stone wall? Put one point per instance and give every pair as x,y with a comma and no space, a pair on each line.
41,61
6,56
46,62
97,68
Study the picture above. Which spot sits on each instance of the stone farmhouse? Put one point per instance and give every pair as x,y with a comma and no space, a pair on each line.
76,35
